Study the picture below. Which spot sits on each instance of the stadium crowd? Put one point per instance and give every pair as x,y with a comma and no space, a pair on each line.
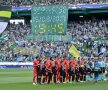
89,36
47,2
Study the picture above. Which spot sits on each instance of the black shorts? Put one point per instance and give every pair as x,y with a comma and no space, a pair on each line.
77,74
40,73
62,73
102,70
49,74
54,72
71,73
44,73
88,72
81,73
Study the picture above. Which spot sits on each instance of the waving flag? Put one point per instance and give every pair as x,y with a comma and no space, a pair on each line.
5,15
74,52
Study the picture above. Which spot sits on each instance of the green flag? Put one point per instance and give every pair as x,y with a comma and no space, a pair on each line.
84,47
13,46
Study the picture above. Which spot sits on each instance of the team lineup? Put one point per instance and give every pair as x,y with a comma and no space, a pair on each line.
62,70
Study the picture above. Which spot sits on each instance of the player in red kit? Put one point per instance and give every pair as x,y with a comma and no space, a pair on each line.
51,66
49,70
46,65
66,64
58,65
73,63
35,70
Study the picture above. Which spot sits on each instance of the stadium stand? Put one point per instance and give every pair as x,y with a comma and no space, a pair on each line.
88,35
47,2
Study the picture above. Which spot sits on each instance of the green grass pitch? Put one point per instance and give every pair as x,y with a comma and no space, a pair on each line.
22,80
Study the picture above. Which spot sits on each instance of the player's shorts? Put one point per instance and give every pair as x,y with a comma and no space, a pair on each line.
39,73
102,70
44,73
35,74
71,73
54,71
62,73
81,72
88,72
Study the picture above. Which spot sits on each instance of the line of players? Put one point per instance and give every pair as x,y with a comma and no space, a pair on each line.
61,70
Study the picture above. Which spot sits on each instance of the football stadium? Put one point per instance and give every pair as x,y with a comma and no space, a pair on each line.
53,44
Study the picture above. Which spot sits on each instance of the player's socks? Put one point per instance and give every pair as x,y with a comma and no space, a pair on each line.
67,78
55,79
64,82
73,78
46,79
58,79
70,82
33,79
43,81
34,83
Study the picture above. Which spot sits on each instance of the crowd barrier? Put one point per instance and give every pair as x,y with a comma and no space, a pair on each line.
16,65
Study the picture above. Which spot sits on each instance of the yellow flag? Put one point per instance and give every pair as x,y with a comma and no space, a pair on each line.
73,51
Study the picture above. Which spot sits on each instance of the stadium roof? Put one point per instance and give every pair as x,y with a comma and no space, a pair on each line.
81,6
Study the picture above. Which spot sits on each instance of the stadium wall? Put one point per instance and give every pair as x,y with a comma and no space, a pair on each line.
16,65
